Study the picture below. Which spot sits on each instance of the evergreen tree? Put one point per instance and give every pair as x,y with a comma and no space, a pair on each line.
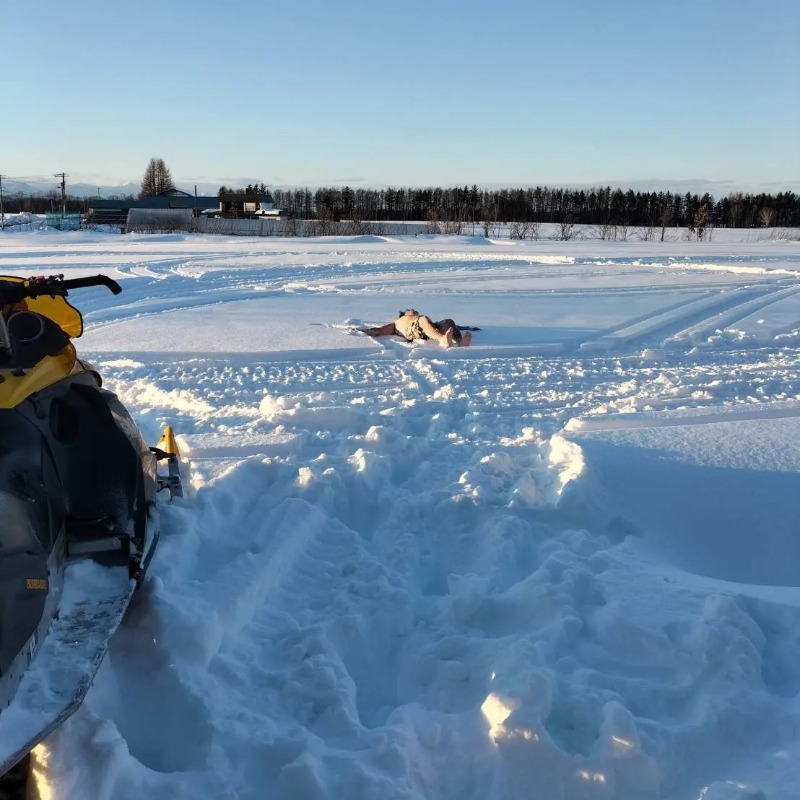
157,179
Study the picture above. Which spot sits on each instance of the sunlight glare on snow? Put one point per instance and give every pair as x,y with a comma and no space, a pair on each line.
305,476
593,777
622,745
40,763
496,710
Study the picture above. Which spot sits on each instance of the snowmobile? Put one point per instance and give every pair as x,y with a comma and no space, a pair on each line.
78,487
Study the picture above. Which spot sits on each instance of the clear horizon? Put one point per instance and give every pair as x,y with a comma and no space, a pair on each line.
418,95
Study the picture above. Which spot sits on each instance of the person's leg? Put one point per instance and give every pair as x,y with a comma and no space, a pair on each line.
443,324
382,330
466,339
432,332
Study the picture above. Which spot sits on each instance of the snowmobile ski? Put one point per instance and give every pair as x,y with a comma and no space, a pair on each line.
56,682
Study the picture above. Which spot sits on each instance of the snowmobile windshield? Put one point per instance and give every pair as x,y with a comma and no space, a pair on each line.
57,308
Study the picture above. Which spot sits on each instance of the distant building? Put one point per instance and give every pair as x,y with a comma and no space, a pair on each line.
231,204
239,204
115,212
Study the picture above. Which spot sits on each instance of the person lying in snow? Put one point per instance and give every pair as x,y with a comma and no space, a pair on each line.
412,325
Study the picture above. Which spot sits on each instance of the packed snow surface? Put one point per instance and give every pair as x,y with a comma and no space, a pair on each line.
563,563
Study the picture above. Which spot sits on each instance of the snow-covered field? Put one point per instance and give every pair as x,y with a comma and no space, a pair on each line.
563,563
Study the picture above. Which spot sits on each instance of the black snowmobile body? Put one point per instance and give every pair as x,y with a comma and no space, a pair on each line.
77,481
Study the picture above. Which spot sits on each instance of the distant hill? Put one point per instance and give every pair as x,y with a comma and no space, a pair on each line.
719,189
39,188
82,188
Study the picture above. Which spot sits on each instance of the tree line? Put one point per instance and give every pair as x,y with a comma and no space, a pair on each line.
250,189
599,206
50,201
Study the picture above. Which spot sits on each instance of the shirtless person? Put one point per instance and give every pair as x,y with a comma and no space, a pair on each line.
412,325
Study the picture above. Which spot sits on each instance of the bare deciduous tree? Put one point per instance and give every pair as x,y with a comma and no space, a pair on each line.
766,215
453,227
736,209
701,221
566,229
519,230
699,225
292,227
666,219
647,233
606,230
432,223
489,218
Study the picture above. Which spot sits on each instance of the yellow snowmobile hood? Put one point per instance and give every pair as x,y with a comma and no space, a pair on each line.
58,309
15,388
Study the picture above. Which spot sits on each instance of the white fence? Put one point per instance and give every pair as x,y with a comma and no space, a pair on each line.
167,220
302,227
142,220
152,220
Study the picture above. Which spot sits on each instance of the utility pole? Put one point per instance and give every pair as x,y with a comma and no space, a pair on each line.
63,176
2,212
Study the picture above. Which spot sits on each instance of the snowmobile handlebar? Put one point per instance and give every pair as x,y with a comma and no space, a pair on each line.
53,285
93,280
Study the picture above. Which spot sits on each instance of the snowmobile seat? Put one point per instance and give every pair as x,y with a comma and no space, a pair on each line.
97,461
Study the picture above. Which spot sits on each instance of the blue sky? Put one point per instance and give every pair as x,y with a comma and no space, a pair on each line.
412,93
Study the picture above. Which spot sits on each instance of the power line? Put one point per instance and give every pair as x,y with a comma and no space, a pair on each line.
63,176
